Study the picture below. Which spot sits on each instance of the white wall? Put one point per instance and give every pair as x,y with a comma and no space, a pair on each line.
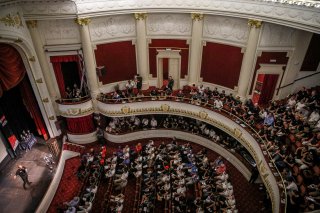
3,150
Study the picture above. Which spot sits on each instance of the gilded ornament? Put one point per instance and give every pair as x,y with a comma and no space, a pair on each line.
254,23
140,16
125,109
165,107
45,100
82,21
12,20
32,58
196,16
237,132
74,111
39,80
51,118
18,40
32,24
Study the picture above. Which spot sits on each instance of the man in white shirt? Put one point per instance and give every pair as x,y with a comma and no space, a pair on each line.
218,104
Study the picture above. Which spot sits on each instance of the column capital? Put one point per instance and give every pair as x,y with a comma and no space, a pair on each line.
196,16
254,23
32,24
82,21
140,16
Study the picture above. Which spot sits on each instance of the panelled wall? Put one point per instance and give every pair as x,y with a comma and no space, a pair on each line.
224,41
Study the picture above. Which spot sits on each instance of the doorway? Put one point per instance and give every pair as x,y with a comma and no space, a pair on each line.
267,80
265,88
168,64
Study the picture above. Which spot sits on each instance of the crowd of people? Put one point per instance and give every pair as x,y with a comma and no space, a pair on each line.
290,127
73,94
120,125
89,172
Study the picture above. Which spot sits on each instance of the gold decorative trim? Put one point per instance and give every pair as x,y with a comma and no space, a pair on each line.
32,24
165,107
140,16
18,40
76,112
203,115
32,58
237,132
51,118
254,23
125,109
196,16
45,100
39,80
12,20
82,21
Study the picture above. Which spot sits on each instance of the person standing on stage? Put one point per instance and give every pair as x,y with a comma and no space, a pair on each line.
22,172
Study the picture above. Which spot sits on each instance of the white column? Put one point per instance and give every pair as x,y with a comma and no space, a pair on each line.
38,46
249,58
303,39
142,48
196,48
88,56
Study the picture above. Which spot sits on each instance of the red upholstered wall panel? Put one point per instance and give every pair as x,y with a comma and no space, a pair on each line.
312,57
119,59
221,64
267,58
168,43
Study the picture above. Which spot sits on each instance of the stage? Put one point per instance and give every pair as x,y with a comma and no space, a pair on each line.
13,198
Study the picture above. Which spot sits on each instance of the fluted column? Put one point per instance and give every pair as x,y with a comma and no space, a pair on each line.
249,58
88,56
196,48
38,46
142,48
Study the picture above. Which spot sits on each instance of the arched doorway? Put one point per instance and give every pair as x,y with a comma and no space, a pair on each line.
19,109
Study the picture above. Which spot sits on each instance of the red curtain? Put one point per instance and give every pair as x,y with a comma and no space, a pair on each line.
81,125
268,87
221,64
12,69
165,68
56,63
32,107
119,59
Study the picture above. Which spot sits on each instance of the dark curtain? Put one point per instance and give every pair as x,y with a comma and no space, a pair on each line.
56,63
32,107
268,87
81,125
12,69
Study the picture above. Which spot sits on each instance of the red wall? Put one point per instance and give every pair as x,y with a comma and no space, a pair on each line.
221,64
119,59
280,57
312,57
168,43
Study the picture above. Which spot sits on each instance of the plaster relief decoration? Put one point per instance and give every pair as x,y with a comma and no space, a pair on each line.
169,24
59,32
277,36
12,20
234,30
49,7
112,27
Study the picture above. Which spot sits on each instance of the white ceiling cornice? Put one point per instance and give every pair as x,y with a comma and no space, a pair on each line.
288,14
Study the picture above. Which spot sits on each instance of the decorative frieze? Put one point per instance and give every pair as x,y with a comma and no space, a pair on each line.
196,16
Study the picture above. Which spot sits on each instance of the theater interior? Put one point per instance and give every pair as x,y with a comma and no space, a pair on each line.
160,106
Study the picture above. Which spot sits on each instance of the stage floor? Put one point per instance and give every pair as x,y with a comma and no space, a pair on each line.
13,198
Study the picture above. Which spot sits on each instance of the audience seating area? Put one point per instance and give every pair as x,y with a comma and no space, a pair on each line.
289,129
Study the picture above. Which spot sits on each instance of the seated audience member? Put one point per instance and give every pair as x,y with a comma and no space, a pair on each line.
74,202
218,104
269,119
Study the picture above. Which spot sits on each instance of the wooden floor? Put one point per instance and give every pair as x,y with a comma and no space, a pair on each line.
13,198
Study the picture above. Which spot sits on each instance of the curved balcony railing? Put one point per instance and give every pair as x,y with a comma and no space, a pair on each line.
76,108
224,112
